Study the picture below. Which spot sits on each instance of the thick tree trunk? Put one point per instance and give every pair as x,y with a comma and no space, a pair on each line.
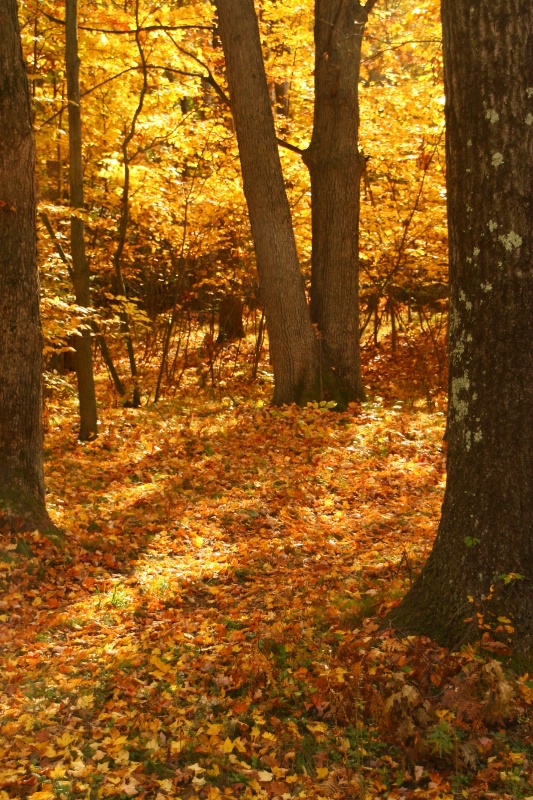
21,438
485,537
80,268
293,345
335,166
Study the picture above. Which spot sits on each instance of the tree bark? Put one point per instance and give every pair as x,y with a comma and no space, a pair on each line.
230,324
293,345
80,268
21,436
484,546
335,167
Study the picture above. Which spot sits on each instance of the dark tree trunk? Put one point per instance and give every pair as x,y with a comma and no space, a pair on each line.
293,346
486,530
21,438
230,325
80,268
335,166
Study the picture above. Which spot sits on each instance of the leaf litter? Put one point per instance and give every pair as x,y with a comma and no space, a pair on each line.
211,624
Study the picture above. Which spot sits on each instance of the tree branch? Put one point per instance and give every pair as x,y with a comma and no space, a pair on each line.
147,29
369,5
210,78
118,75
288,146
57,244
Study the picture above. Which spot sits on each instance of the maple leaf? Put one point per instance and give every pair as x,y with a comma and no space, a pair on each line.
77,768
129,786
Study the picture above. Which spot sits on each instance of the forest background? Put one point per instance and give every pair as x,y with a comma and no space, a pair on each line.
193,523
188,247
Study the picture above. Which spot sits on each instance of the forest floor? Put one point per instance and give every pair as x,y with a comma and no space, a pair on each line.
213,623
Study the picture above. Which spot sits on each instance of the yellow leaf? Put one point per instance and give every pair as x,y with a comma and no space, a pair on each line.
166,785
153,744
317,727
177,746
255,732
58,771
214,730
46,794
340,674
160,664
264,776
291,778
268,735
198,541
227,747
122,758
321,773
77,768
85,701
279,772
65,739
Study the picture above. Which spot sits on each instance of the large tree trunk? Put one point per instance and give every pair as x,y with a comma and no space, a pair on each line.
293,345
80,268
335,166
485,538
21,438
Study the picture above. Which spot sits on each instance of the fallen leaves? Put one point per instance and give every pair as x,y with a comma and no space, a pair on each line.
222,638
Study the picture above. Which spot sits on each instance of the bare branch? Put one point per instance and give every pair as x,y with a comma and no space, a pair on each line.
119,75
126,31
288,146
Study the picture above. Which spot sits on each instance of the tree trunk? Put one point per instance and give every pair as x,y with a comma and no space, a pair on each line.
335,167
80,268
21,437
230,324
293,345
485,538
125,218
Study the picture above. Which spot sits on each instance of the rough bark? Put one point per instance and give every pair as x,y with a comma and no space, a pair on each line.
21,437
486,529
335,167
80,268
293,345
